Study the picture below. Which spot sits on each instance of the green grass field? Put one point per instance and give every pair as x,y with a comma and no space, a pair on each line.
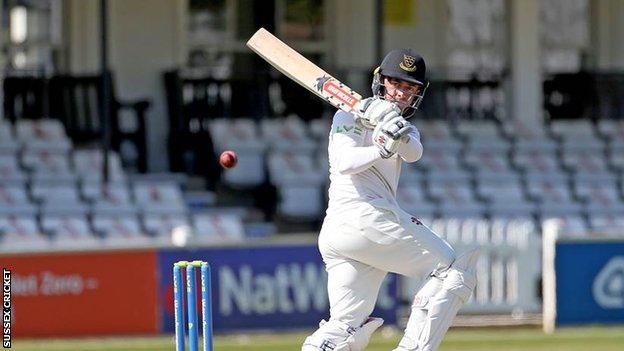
491,339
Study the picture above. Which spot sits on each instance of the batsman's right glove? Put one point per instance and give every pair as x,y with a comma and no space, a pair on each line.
373,110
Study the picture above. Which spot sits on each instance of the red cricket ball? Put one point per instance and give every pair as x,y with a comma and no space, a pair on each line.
228,159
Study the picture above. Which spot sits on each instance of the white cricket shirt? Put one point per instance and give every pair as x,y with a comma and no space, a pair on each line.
359,175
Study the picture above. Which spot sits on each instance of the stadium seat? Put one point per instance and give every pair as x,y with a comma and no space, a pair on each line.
611,129
440,160
553,195
519,129
287,168
584,161
601,198
437,135
14,201
250,171
488,160
291,207
287,134
10,171
296,177
505,198
575,143
571,129
112,198
159,197
615,157
538,161
59,199
593,179
236,133
610,224
43,134
497,145
483,131
8,144
456,198
485,180
89,166
119,228
486,176
48,167
72,229
218,228
529,137
435,178
21,232
163,225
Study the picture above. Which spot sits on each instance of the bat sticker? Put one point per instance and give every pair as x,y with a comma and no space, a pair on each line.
321,81
330,88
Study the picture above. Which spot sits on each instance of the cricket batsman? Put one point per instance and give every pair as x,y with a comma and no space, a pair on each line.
365,234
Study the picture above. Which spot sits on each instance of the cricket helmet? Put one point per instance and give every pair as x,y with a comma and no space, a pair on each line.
406,65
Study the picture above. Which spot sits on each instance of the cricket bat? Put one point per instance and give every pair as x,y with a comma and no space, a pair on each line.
303,71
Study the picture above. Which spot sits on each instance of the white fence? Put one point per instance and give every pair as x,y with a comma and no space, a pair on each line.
508,270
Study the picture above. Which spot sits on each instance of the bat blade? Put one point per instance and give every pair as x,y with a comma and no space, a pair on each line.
303,71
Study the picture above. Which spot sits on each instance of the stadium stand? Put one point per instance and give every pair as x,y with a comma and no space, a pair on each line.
52,194
69,106
471,168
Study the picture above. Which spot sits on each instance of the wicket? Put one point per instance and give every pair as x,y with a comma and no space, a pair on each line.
191,297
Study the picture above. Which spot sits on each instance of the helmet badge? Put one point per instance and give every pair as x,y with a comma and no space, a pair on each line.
408,63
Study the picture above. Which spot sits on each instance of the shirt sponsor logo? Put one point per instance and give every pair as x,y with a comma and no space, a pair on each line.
345,129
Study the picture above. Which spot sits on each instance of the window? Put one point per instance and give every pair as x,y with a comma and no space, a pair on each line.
33,34
218,29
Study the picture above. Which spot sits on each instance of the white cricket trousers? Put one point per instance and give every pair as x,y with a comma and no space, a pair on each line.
356,265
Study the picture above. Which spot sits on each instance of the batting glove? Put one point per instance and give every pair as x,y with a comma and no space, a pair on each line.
373,110
390,134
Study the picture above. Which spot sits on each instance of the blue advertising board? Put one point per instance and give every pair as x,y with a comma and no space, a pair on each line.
590,282
278,287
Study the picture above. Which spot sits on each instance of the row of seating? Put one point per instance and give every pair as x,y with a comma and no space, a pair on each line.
113,198
27,231
539,198
481,146
41,134
468,168
295,135
39,152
